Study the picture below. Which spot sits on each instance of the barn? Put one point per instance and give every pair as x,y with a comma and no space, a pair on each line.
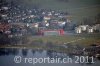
58,32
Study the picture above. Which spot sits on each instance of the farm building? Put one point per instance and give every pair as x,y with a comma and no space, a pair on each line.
52,32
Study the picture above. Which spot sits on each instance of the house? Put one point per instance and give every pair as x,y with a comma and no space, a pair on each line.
49,13
78,30
90,30
84,28
5,8
47,24
36,25
27,25
46,18
96,27
43,13
61,23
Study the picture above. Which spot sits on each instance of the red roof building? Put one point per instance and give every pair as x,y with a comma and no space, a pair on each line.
52,32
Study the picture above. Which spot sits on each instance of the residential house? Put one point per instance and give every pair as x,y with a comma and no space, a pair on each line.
90,30
46,18
96,27
61,23
84,28
78,30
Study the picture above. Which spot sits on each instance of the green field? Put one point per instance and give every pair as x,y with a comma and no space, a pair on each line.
74,39
56,43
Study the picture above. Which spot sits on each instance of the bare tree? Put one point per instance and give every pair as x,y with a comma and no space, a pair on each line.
97,19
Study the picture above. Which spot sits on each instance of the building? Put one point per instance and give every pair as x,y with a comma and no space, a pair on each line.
96,27
46,18
84,28
52,32
90,30
78,30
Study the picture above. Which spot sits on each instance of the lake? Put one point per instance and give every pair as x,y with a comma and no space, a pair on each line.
25,57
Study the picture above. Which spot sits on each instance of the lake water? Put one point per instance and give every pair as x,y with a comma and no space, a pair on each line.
8,58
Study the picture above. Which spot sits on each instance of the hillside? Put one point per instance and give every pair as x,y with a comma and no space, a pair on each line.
77,9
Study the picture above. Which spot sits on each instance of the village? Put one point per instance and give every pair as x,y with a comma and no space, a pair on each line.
41,21
55,33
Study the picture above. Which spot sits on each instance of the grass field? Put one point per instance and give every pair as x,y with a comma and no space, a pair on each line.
73,39
57,43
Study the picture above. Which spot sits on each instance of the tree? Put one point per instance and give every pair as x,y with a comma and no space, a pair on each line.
3,22
97,19
3,11
87,21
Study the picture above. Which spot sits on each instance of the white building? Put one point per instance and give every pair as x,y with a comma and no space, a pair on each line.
27,25
36,25
90,30
84,27
46,18
61,23
96,27
47,24
5,8
49,14
78,30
